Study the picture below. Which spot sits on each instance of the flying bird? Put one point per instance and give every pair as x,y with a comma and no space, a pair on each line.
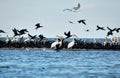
15,31
110,32
71,22
22,31
68,34
82,21
1,31
31,37
74,9
117,30
87,30
38,26
100,28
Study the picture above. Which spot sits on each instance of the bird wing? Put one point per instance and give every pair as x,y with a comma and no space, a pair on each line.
76,8
108,28
84,22
68,10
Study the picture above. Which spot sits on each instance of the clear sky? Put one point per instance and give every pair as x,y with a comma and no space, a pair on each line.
26,13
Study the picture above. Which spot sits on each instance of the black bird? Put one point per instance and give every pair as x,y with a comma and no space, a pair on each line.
87,30
41,37
22,31
67,34
32,37
15,31
110,32
82,21
1,31
117,30
38,26
100,28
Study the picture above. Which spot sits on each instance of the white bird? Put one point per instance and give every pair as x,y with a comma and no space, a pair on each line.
58,43
106,41
74,9
8,39
72,43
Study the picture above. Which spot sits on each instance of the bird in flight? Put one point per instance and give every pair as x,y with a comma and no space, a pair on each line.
38,26
110,32
87,30
1,31
117,30
74,9
71,22
82,21
100,28
68,34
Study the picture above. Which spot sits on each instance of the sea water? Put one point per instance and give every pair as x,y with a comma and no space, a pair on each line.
47,63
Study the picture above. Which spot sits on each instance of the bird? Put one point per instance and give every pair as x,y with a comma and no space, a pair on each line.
71,22
72,43
110,32
82,21
1,31
41,37
74,9
87,30
117,30
106,41
22,31
15,31
31,37
58,43
38,26
100,28
68,34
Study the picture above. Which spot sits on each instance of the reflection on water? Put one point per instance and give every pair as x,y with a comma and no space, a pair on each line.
63,64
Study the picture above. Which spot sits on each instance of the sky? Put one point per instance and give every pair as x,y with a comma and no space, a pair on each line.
24,14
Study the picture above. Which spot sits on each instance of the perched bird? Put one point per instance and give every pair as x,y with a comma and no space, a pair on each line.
106,41
58,43
72,43
110,32
68,34
15,31
100,28
82,21
41,37
38,26
1,31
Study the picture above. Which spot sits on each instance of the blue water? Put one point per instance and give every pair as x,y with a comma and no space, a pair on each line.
44,63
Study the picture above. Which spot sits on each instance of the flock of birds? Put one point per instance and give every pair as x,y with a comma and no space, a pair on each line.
59,39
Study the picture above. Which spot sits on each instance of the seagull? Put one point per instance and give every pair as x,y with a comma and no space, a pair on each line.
82,21
41,37
38,26
72,43
74,9
1,31
67,34
100,28
110,32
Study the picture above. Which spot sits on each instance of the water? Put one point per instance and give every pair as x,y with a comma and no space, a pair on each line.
45,63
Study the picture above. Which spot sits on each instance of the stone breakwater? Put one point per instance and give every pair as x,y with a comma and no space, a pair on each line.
47,44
